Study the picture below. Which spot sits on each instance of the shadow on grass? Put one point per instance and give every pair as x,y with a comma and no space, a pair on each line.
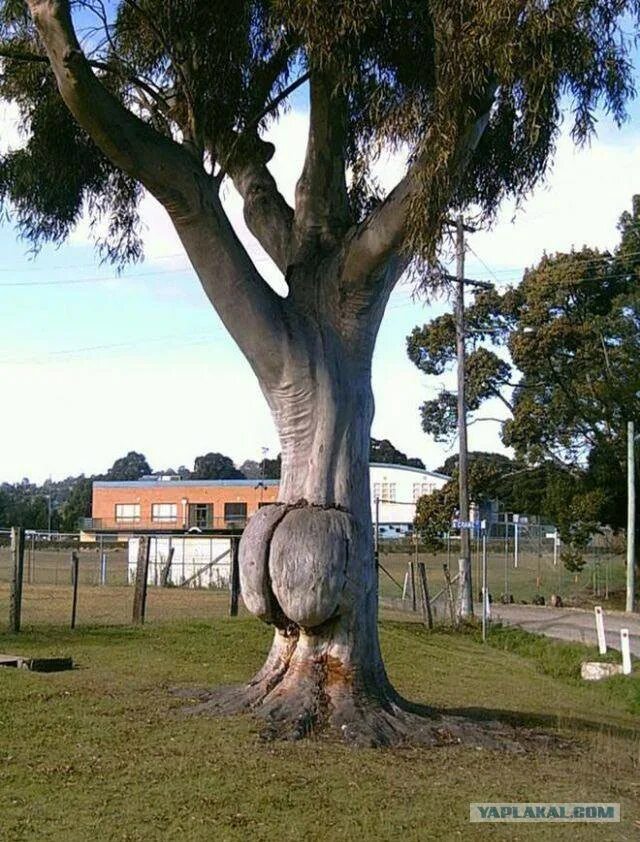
527,719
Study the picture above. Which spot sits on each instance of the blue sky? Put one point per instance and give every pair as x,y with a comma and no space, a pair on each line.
92,368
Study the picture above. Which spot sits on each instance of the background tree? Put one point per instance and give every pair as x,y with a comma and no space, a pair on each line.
250,468
271,468
571,331
129,468
382,451
78,505
173,97
215,466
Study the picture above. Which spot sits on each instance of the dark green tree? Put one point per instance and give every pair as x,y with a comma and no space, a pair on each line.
131,467
215,466
173,96
571,330
78,504
382,451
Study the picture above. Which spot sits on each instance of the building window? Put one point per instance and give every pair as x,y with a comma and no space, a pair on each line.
235,512
392,492
422,488
200,515
167,512
127,512
377,491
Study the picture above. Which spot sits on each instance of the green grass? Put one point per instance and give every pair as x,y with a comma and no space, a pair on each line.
104,753
563,660
534,575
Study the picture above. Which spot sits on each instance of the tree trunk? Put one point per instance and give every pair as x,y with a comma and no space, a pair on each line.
307,565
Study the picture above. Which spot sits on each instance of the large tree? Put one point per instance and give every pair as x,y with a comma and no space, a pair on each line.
173,96
560,351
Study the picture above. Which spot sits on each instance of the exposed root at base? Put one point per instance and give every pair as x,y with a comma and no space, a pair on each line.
361,720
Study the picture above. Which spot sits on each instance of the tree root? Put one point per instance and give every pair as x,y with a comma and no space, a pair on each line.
292,709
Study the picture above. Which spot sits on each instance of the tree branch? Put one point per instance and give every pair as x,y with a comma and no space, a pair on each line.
383,232
35,58
267,214
322,204
246,304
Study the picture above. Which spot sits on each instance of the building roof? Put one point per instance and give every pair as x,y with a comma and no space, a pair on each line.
189,483
411,468
246,483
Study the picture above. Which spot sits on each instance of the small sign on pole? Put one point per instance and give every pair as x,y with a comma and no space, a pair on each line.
602,641
626,651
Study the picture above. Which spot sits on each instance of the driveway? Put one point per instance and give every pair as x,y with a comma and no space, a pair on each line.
569,623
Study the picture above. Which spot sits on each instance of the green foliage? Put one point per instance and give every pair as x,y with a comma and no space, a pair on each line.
572,331
382,451
271,468
78,504
215,466
434,513
407,74
133,466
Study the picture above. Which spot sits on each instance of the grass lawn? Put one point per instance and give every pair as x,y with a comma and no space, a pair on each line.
103,753
532,576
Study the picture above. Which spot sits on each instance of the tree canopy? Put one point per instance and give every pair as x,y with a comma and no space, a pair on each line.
465,87
128,468
215,466
559,351
381,450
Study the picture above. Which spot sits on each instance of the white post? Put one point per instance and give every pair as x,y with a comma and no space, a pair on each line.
602,641
405,585
626,651
555,548
631,518
485,592
516,524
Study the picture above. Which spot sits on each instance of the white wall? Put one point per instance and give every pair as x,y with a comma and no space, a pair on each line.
398,487
190,556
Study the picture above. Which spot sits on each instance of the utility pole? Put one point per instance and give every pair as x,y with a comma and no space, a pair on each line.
631,517
465,589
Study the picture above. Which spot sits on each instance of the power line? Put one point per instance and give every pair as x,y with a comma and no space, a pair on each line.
82,265
93,280
198,339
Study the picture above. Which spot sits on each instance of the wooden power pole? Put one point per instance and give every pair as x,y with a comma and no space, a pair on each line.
465,589
631,518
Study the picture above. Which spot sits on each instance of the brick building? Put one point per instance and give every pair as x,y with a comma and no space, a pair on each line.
156,505
169,506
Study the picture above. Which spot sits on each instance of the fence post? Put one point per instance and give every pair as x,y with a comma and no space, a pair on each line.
412,573
142,572
426,603
166,570
17,557
452,610
235,577
75,576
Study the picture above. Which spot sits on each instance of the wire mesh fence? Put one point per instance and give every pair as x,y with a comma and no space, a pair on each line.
526,567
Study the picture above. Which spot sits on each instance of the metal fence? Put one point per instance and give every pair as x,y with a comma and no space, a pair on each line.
527,570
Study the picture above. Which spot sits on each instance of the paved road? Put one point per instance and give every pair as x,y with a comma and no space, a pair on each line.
570,623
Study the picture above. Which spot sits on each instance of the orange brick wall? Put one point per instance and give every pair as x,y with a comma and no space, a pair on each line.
105,499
